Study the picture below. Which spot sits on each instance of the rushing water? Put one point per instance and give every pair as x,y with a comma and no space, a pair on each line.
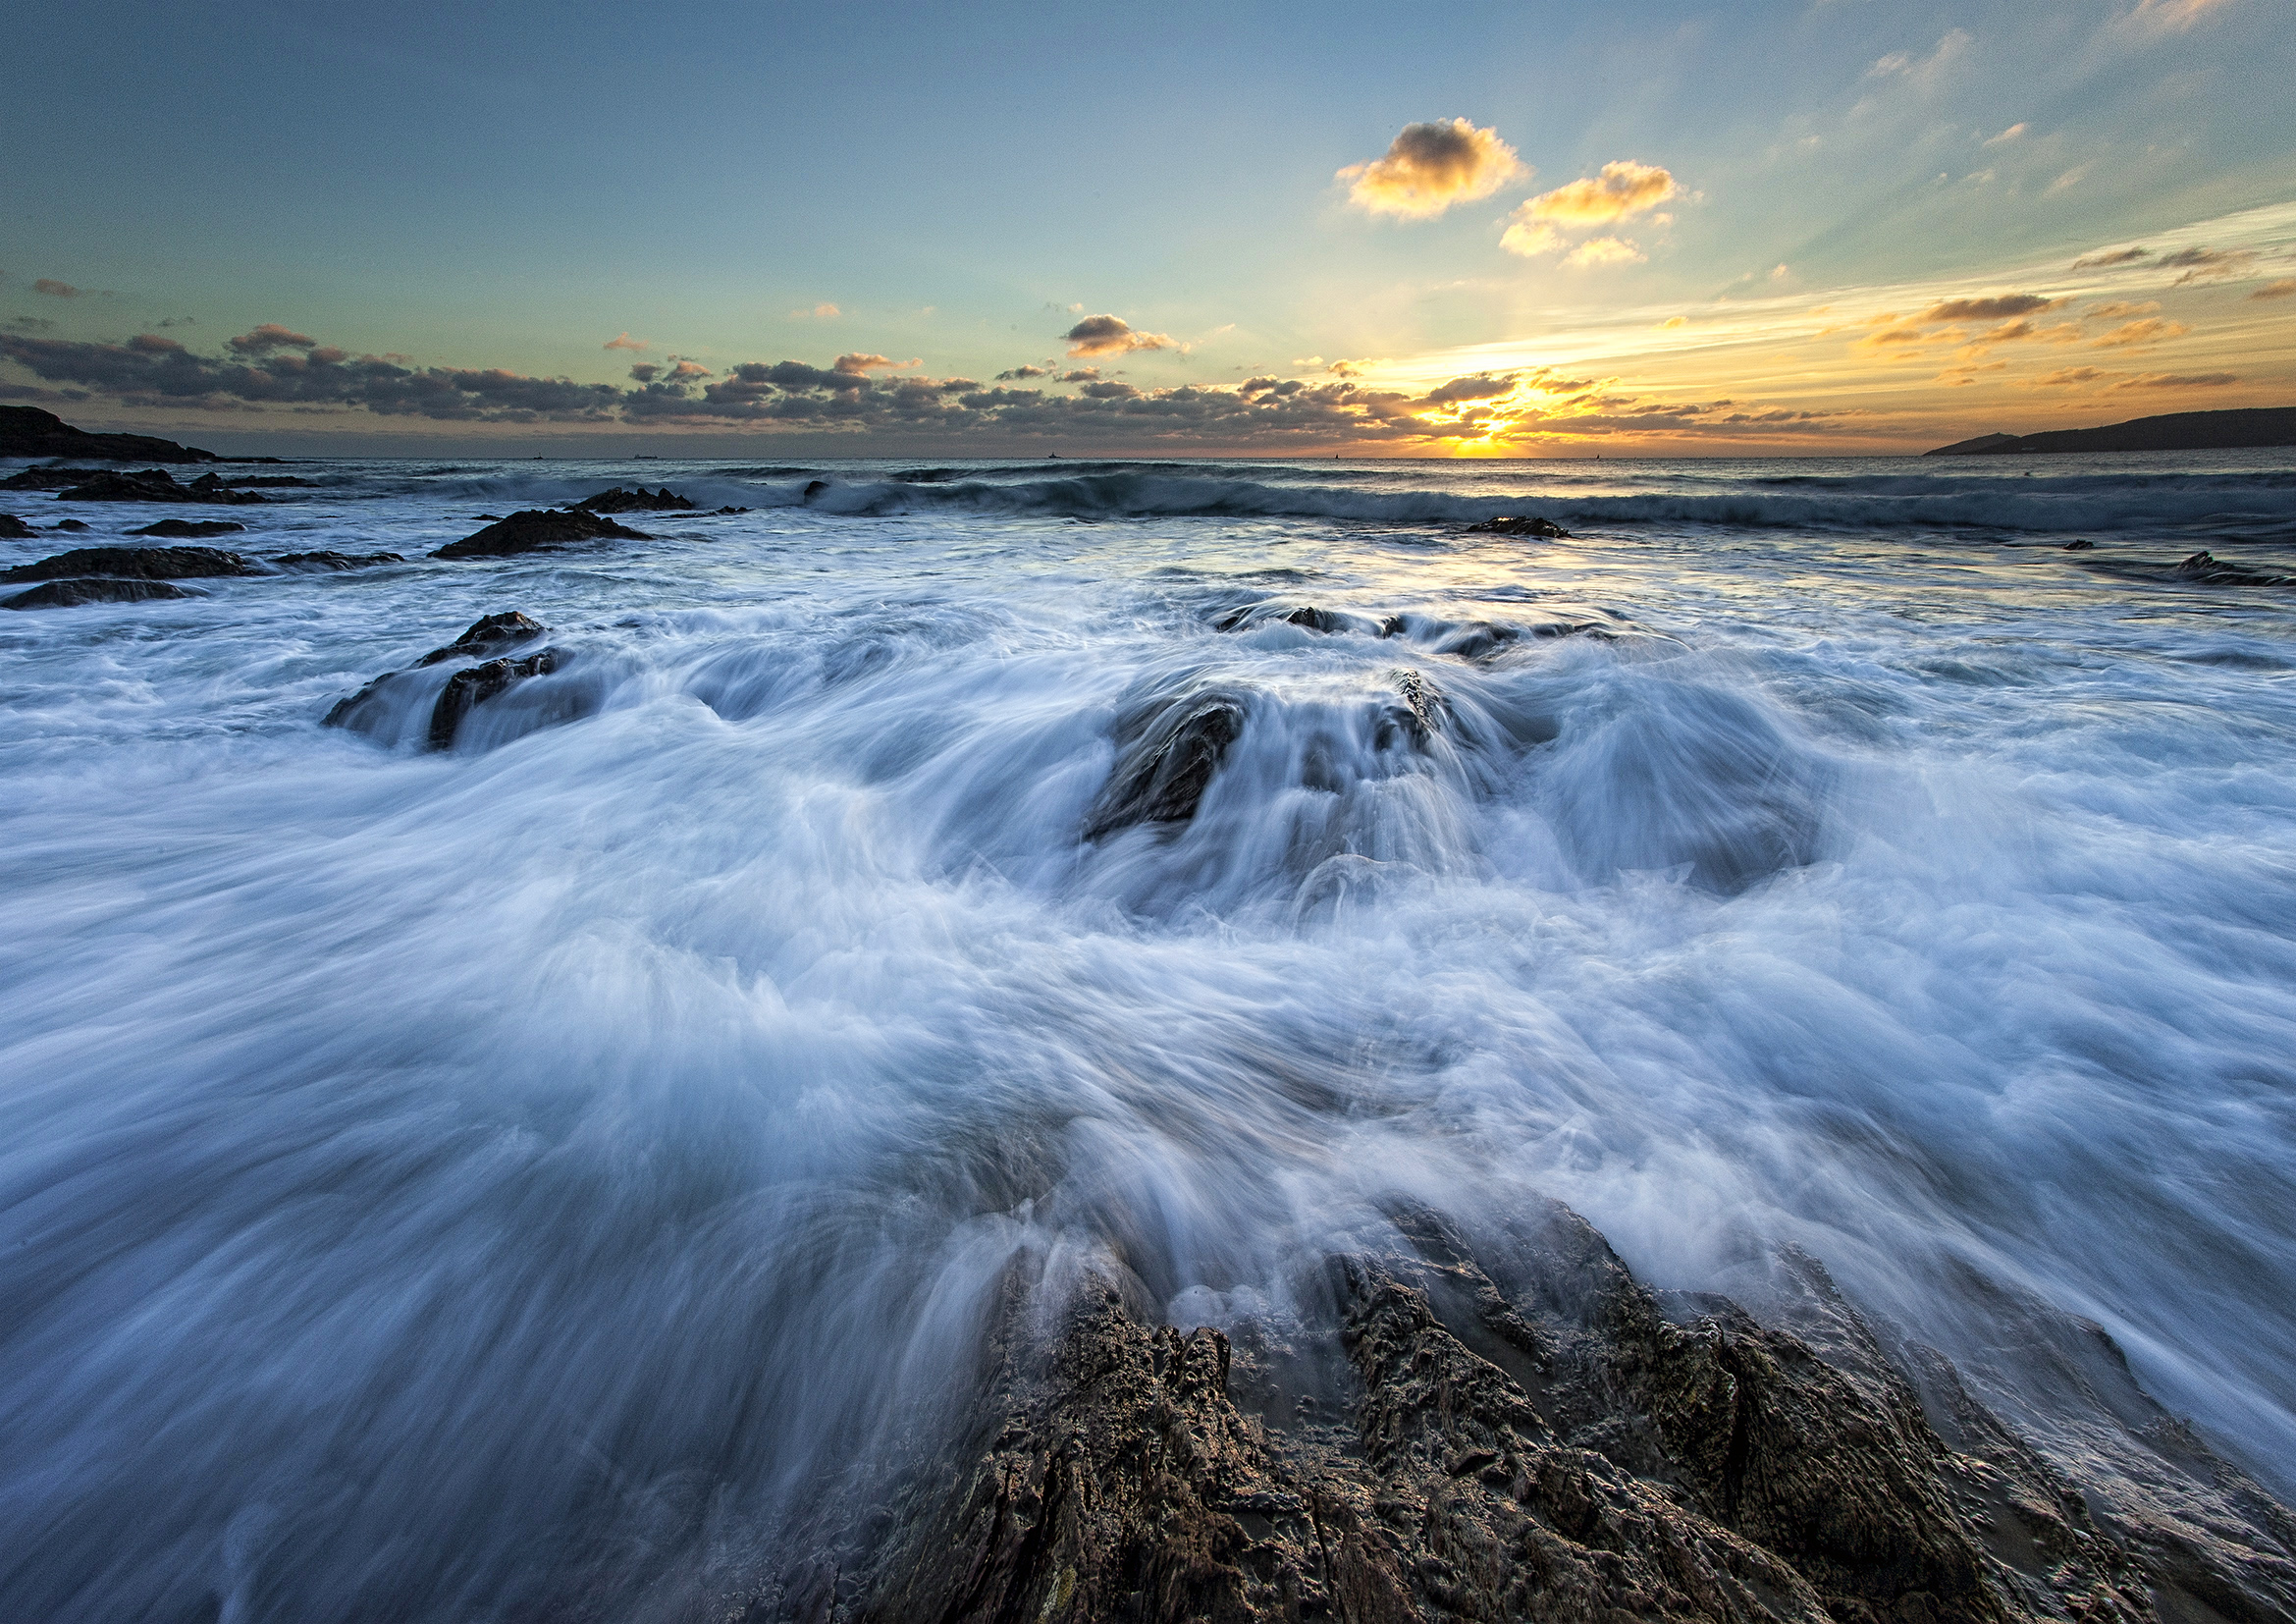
436,1183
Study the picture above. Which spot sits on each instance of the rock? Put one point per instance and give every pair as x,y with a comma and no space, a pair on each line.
487,634
639,501
813,488
14,528
2207,569
73,524
535,527
334,560
153,485
1512,526
66,594
1424,712
1169,754
27,431
186,529
49,478
722,512
468,689
155,564
1515,1430
2078,546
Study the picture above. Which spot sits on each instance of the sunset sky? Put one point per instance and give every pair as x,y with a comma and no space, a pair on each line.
1517,230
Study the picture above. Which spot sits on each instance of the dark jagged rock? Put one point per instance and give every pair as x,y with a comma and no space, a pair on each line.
1306,617
1423,715
154,563
722,512
27,431
640,501
1517,1430
325,560
14,528
486,635
534,527
188,529
75,526
1510,526
2210,571
69,594
48,478
468,689
154,485
1167,760
2080,546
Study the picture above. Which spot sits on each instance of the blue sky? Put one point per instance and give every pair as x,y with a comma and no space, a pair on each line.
512,187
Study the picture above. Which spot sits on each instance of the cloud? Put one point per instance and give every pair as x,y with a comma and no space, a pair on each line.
1622,189
2010,135
2179,380
2140,332
625,341
41,324
1480,385
1020,372
1533,238
861,365
1429,167
2067,376
268,338
685,369
2119,310
824,312
1079,375
2276,289
1111,336
1605,251
2070,179
1903,64
1672,322
57,290
2209,264
1992,307
2156,18
2112,257
152,344
645,372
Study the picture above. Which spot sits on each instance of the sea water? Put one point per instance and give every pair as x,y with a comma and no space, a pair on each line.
453,1183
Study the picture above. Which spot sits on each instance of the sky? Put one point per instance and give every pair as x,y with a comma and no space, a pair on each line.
1523,230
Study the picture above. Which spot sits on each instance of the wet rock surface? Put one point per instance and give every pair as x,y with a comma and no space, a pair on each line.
382,707
487,634
619,500
1167,753
474,685
1513,1431
1510,526
70,594
188,529
14,528
329,560
537,528
136,563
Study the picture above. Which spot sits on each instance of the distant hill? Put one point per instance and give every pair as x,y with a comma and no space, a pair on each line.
27,431
2175,431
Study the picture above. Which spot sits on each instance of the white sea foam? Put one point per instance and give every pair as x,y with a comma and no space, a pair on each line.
436,1183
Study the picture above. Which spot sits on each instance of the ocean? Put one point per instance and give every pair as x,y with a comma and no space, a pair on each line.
435,1182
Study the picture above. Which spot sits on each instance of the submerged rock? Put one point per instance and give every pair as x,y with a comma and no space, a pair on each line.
14,528
475,687
187,530
2210,571
640,501
2081,545
324,560
1509,525
155,564
1167,755
75,526
69,594
534,527
154,485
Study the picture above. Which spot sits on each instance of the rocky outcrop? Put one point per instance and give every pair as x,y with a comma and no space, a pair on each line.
640,501
70,594
14,528
27,431
474,685
188,529
486,635
1515,1430
2210,570
1510,526
154,485
1168,752
152,563
382,706
536,527
325,560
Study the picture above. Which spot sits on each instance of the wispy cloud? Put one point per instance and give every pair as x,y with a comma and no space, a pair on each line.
2276,289
1990,308
2140,332
1605,251
1429,167
625,341
57,290
2010,135
269,337
2110,257
2209,264
823,311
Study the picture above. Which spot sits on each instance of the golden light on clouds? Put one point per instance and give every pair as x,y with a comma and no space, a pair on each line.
1429,167
1621,191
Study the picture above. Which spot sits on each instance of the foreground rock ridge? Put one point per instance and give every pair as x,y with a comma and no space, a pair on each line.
1512,1432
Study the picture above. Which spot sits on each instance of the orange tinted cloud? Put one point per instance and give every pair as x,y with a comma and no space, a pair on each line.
1112,336
625,341
1429,167
1622,189
2276,289
1605,251
2140,332
1992,308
